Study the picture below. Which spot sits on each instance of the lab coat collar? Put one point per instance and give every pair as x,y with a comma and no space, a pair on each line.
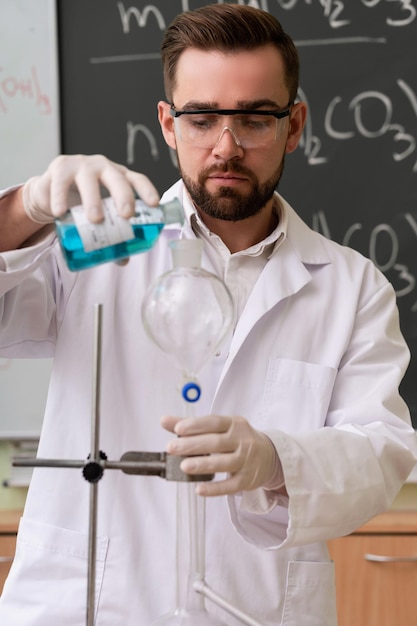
306,244
285,274
287,269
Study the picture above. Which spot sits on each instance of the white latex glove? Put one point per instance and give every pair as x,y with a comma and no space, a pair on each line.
217,443
77,179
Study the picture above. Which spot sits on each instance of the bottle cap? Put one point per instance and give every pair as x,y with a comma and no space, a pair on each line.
186,252
173,211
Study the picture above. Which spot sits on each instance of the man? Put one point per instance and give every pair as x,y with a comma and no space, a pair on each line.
300,416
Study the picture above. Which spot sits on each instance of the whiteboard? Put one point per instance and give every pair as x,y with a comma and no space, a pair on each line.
29,140
29,89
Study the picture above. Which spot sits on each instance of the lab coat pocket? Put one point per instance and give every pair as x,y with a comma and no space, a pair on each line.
49,575
296,395
310,594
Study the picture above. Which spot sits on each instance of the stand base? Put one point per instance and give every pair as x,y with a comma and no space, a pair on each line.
187,618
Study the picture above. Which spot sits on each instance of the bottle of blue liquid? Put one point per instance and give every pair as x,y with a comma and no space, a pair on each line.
86,245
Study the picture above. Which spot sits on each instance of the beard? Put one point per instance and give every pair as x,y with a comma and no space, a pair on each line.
228,204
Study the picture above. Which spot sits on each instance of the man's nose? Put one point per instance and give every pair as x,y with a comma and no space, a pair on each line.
232,133
228,145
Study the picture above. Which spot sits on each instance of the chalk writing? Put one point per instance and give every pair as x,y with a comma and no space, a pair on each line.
302,43
381,108
383,249
333,10
408,11
406,143
310,143
12,87
336,11
140,17
132,131
412,99
412,222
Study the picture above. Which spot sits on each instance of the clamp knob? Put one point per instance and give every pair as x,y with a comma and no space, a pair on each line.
93,470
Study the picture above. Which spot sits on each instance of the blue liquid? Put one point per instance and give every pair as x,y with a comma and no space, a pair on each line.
77,259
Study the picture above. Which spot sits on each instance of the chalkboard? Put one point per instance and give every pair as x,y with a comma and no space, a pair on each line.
354,176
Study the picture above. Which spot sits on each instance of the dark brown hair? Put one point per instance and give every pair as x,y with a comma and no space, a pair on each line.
227,28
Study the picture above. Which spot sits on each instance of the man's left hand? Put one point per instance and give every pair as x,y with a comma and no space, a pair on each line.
217,443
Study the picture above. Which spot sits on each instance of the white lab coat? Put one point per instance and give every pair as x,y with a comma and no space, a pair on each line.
315,361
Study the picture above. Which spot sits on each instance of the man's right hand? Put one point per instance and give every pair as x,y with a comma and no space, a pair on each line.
78,179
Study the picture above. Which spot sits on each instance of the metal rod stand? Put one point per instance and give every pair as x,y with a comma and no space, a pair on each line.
138,463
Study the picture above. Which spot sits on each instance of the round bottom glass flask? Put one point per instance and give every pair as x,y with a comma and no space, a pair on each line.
188,312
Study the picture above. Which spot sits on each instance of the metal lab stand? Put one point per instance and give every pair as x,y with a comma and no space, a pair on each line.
140,463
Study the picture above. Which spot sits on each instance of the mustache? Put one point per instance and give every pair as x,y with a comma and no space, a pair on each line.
227,168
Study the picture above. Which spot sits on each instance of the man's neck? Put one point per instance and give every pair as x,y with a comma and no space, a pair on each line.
242,234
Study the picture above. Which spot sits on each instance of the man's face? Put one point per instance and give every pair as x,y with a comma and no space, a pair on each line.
228,181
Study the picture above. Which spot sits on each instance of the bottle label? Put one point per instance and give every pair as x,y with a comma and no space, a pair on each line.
145,214
113,229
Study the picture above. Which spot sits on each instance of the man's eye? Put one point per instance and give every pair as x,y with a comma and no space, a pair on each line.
257,123
203,122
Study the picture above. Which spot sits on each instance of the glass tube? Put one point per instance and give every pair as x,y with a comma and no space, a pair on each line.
188,312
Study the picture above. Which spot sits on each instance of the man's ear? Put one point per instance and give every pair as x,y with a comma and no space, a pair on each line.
298,118
167,124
